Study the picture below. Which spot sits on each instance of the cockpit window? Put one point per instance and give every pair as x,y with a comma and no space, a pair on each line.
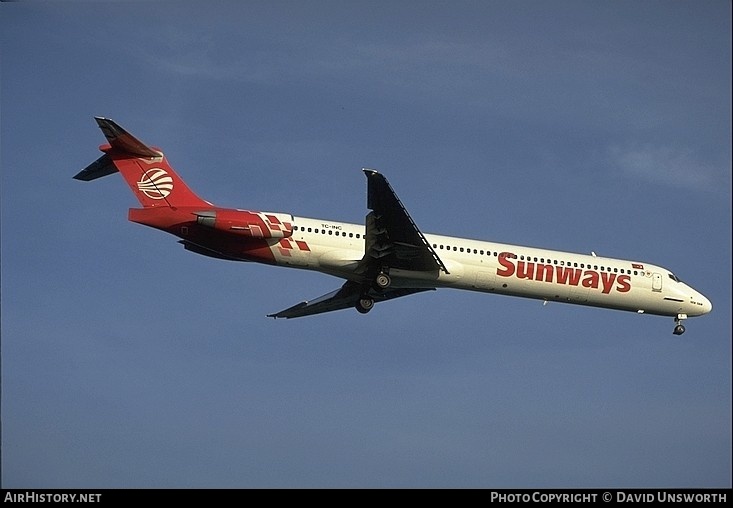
674,277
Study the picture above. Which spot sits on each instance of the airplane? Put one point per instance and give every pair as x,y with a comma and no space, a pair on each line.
388,256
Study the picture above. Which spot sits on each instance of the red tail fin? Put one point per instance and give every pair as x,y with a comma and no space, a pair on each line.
145,170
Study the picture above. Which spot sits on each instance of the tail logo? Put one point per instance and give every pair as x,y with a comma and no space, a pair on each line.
155,183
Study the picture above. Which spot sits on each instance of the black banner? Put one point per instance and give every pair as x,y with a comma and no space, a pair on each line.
494,496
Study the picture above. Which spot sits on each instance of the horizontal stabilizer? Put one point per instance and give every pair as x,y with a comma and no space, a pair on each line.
97,169
123,141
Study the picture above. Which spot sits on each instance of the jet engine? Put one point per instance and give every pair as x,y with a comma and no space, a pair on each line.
245,223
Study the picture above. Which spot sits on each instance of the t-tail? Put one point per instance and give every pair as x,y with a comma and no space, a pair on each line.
144,168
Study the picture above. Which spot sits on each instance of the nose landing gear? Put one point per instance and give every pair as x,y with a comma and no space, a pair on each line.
679,328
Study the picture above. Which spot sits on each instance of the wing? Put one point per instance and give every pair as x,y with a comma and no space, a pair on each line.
393,239
346,297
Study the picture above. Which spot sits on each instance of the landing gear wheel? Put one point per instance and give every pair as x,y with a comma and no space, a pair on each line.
679,328
383,281
364,304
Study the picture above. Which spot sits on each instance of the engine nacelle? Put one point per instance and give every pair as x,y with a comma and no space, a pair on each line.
245,223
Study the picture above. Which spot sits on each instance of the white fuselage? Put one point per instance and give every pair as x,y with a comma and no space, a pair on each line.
336,248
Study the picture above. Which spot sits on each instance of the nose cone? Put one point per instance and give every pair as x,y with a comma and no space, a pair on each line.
707,305
697,304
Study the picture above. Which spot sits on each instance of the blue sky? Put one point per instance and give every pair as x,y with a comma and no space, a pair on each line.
128,362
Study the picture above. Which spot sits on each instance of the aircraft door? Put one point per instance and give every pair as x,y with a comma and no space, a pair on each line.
657,282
